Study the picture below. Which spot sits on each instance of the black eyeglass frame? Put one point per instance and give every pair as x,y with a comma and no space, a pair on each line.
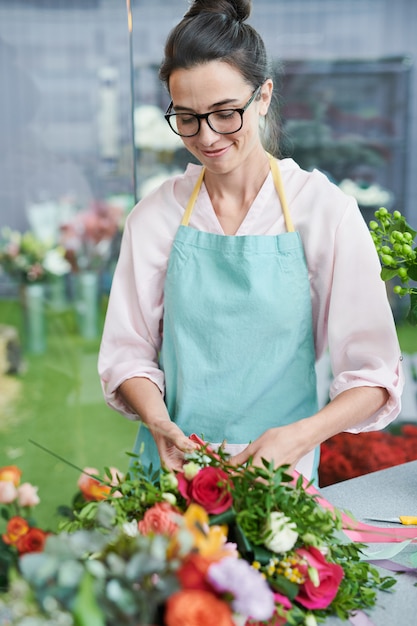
205,116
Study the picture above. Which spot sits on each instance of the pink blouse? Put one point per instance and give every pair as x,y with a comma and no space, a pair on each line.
352,317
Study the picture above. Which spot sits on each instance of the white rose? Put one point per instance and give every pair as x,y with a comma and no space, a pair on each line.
280,534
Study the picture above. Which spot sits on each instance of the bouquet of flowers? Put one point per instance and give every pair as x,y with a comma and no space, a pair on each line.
21,534
29,260
212,545
89,235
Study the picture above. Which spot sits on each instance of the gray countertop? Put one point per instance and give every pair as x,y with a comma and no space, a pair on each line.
383,494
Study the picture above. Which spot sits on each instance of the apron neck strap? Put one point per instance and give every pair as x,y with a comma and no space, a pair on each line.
191,202
276,176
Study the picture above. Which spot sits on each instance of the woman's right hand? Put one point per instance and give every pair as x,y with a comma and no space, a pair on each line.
171,442
145,398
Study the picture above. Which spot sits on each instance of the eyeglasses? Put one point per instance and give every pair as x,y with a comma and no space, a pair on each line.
223,121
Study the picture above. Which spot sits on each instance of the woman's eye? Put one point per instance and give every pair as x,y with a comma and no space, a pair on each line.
186,119
225,114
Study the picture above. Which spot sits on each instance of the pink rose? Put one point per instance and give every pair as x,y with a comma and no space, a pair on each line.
210,488
27,495
8,492
329,578
159,520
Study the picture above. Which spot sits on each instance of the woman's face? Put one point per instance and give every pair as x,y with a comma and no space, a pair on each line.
210,87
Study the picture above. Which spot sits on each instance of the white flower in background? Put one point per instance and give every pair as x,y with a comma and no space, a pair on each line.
280,534
191,470
310,620
170,498
152,132
369,195
55,263
131,528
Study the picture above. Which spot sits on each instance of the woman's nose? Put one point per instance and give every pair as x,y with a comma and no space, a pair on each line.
206,134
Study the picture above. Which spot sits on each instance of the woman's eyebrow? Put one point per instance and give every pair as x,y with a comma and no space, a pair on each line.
216,105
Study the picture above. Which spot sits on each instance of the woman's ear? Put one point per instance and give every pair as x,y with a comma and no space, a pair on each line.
265,96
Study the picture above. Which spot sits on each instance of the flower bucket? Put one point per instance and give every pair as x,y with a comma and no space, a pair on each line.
33,308
57,297
87,290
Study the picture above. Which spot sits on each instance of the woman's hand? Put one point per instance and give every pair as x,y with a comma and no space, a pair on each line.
171,442
281,445
145,398
286,445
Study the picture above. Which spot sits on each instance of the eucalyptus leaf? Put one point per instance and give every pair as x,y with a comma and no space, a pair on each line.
70,574
86,610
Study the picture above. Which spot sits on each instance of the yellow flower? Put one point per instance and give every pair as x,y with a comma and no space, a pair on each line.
209,540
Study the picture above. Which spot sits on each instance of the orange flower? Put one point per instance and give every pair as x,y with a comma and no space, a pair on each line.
10,473
32,541
159,519
195,607
16,528
91,488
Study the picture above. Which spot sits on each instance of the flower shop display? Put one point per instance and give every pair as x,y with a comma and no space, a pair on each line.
33,264
88,238
29,260
348,455
211,545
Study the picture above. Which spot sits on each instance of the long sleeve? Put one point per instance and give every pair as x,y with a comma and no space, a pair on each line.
351,313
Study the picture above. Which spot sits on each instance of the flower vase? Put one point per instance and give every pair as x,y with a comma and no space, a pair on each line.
33,305
57,298
87,304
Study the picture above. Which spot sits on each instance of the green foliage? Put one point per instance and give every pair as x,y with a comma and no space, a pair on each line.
394,240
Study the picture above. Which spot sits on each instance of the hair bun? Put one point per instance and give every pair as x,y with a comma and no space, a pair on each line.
238,10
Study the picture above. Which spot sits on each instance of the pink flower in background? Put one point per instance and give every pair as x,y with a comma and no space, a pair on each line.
27,495
159,519
8,492
87,237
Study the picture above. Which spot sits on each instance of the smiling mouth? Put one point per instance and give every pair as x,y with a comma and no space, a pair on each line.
214,153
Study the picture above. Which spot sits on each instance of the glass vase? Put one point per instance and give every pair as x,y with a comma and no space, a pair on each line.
87,304
33,305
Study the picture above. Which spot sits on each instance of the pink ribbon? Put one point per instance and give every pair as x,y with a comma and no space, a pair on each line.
360,619
364,533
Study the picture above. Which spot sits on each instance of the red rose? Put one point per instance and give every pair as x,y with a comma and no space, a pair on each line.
329,578
192,573
210,488
159,519
32,541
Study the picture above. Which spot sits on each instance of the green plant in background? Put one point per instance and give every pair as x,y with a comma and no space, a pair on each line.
394,241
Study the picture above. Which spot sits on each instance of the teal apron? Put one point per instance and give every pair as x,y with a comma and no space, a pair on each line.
238,349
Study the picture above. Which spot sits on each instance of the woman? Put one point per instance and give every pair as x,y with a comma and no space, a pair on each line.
234,277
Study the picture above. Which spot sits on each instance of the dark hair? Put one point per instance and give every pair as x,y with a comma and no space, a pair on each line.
215,30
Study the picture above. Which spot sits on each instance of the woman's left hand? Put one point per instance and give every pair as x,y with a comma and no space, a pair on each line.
282,445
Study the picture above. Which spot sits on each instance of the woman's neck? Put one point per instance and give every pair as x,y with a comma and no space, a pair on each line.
233,194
